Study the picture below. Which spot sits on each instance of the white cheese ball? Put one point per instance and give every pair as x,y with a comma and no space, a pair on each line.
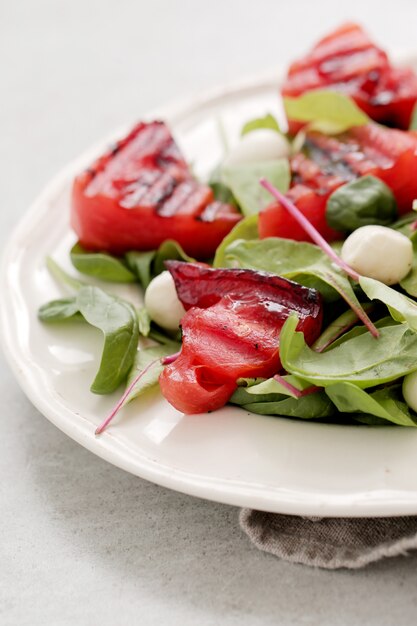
379,252
410,390
259,145
162,302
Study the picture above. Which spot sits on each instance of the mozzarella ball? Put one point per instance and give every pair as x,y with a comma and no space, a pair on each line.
259,145
162,302
410,390
379,252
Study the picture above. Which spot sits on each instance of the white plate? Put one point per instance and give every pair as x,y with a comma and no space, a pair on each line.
230,456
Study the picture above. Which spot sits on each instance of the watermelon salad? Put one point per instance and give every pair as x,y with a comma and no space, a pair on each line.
286,283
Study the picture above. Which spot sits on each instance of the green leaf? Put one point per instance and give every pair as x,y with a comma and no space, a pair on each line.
357,330
339,327
403,224
59,310
245,229
118,322
168,250
144,321
62,276
267,121
362,360
401,308
221,192
327,111
147,265
387,404
100,265
243,180
302,262
413,121
140,264
366,200
270,398
143,359
409,283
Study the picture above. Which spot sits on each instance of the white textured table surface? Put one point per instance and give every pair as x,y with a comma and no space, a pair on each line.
82,542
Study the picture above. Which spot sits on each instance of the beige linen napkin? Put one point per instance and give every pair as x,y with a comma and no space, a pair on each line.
331,543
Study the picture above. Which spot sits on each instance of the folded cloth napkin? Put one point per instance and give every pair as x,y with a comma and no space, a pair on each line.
331,543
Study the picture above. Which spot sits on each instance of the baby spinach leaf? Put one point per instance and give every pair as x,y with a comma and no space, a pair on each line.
59,310
267,121
387,404
339,327
327,111
62,276
403,224
302,262
409,283
100,265
243,180
362,360
401,308
140,264
221,192
147,265
314,406
245,229
168,250
118,322
144,321
366,200
356,331
260,390
143,359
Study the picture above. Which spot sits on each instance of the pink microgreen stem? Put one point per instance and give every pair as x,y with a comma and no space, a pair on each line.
327,249
120,403
167,360
298,393
309,228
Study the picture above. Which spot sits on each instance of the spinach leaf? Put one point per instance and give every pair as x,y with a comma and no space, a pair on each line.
147,265
221,192
59,310
327,111
362,360
404,224
263,400
144,321
168,250
356,331
409,283
62,276
366,200
143,359
245,229
339,327
387,404
100,265
302,262
267,121
401,308
243,180
140,263
118,322
261,390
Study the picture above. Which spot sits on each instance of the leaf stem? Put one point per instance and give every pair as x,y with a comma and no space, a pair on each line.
309,228
322,243
125,395
297,393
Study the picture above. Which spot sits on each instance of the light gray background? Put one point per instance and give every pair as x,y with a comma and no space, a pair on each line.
82,542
